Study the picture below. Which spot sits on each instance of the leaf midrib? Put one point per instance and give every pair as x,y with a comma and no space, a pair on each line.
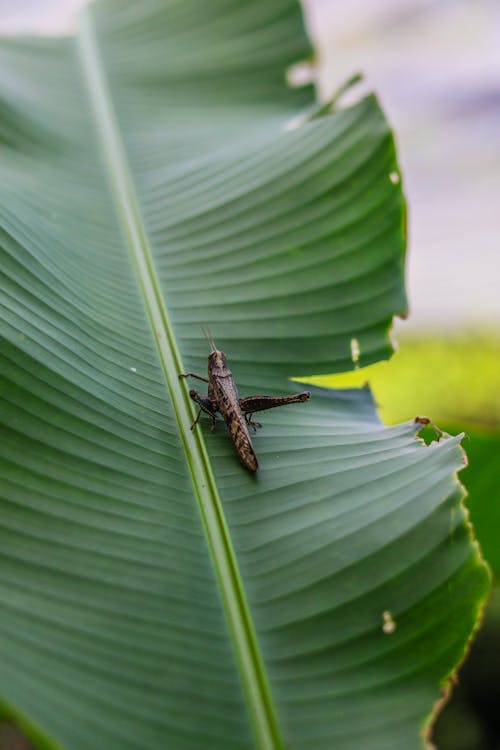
250,663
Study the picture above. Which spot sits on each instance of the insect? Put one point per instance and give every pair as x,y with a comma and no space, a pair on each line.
237,412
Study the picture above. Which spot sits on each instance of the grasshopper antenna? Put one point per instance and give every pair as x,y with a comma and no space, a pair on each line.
209,337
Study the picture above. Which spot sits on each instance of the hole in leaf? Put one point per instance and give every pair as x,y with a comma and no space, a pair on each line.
355,352
388,623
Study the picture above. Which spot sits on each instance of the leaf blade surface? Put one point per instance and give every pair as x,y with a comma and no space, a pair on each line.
105,552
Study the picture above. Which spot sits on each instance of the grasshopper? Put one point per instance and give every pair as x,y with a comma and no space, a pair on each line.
237,412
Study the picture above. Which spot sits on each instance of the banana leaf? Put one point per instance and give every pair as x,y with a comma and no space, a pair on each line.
158,175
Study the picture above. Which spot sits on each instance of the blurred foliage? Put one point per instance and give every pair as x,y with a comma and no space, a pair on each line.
454,380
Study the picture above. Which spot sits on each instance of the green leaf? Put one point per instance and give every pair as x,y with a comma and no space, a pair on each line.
153,592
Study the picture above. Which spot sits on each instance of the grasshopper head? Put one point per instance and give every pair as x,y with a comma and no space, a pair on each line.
217,359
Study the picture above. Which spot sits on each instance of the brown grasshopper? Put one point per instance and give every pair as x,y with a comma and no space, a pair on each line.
237,412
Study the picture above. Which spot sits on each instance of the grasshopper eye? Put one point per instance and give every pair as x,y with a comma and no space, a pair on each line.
193,392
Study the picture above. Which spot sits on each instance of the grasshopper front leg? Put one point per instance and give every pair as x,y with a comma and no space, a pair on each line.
193,375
